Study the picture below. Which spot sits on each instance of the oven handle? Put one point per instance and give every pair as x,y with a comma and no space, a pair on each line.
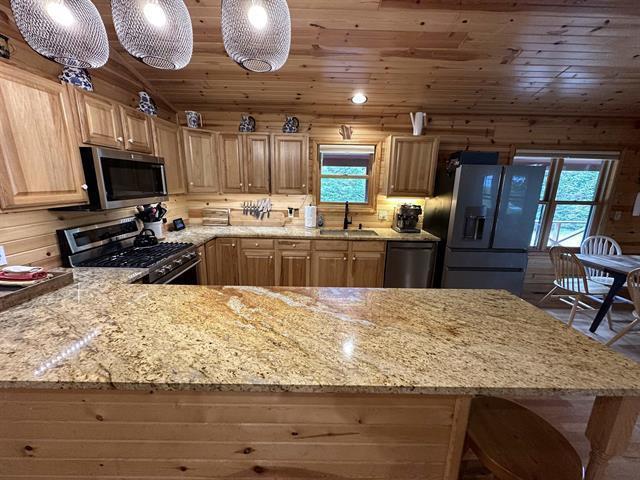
164,280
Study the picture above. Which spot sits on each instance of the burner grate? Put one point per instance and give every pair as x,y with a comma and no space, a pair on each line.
136,257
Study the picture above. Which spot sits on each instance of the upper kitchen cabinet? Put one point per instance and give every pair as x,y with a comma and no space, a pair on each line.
100,122
137,130
106,123
244,163
231,163
256,162
201,160
289,164
166,141
412,165
40,164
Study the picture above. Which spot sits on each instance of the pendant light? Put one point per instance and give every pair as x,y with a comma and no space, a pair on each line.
157,32
257,33
69,32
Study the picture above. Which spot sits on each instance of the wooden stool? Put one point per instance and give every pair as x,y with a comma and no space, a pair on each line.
514,443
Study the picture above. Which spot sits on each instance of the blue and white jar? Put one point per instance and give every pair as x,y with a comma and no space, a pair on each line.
78,77
247,124
194,119
291,125
146,104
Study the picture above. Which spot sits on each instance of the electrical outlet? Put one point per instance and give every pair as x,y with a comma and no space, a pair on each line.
3,257
383,215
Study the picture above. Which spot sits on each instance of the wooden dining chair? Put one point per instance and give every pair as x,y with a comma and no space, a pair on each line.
600,245
514,443
572,281
633,286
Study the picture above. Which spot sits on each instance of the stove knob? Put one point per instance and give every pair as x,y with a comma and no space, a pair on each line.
178,262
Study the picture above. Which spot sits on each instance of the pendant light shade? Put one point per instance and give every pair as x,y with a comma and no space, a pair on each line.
257,33
157,32
69,32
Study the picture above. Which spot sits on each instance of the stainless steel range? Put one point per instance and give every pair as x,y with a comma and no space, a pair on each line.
111,244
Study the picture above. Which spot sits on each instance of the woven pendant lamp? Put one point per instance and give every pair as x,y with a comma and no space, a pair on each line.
69,32
157,32
257,33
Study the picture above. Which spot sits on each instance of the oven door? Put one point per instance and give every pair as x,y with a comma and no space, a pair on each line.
187,275
128,179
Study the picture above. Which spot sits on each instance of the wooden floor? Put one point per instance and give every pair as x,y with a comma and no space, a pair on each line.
570,414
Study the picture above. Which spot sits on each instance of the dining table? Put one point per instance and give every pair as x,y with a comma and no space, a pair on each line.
617,267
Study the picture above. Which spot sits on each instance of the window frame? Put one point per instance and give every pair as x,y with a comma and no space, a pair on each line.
373,177
599,204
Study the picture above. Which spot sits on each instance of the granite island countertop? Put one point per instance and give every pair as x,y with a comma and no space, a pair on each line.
105,333
199,234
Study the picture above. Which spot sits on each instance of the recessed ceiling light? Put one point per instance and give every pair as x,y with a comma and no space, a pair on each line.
359,98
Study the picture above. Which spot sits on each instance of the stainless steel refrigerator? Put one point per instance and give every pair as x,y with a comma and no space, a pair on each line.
485,215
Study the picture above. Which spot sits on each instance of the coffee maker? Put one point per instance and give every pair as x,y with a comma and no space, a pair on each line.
405,218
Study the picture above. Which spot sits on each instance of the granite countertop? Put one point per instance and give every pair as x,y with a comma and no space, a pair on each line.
199,234
104,333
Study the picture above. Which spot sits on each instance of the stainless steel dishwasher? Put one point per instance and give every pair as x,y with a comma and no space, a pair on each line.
409,264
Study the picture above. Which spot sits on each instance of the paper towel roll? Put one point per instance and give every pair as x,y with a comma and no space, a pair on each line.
310,216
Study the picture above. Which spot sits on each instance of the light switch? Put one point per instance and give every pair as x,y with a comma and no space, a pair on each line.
3,256
383,215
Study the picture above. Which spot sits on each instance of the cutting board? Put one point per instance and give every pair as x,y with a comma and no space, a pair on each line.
12,296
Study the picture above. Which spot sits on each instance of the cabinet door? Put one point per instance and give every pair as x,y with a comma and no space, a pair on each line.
257,268
290,164
293,268
203,275
211,266
200,161
167,145
137,130
366,269
231,165
100,122
412,166
330,269
40,162
256,161
226,262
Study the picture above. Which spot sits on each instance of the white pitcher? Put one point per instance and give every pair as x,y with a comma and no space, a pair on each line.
418,120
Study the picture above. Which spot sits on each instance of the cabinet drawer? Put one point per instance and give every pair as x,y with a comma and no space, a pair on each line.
294,244
367,246
331,245
249,243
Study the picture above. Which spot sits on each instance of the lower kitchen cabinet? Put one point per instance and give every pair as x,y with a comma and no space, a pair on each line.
203,270
330,269
226,262
293,268
366,269
257,268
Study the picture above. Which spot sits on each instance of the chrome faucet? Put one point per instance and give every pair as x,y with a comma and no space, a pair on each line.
347,221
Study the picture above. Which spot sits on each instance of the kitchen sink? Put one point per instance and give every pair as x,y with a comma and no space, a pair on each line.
350,233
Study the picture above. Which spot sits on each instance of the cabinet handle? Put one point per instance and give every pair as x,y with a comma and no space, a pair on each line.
308,258
293,245
393,186
233,245
270,257
345,259
257,244
119,139
354,258
84,187
240,183
249,184
190,183
304,185
130,140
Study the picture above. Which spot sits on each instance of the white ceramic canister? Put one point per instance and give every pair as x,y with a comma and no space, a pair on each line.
156,228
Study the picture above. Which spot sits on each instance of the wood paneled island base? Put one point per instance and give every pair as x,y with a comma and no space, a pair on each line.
53,434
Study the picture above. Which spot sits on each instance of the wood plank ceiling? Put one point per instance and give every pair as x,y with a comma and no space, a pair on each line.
441,56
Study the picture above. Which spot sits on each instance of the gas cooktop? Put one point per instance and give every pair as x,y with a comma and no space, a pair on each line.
137,257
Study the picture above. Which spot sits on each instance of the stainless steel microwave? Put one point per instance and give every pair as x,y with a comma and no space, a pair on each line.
118,179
